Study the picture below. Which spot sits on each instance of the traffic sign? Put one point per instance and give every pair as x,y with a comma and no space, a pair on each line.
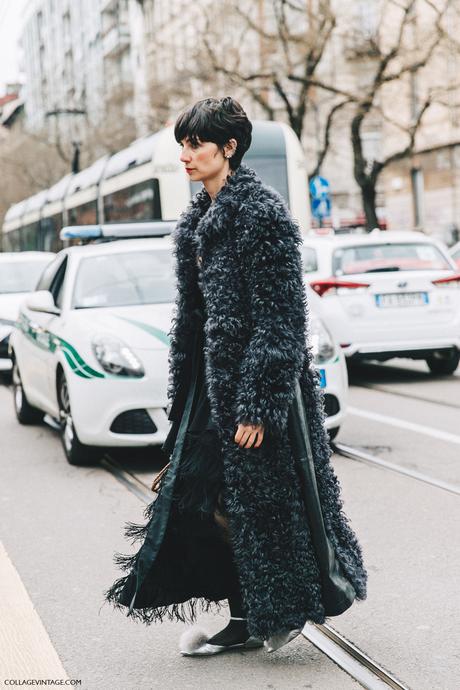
319,187
320,197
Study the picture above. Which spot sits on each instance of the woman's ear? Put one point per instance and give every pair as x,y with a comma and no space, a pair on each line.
230,148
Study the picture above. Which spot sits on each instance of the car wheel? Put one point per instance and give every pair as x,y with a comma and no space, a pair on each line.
333,433
443,361
76,452
25,412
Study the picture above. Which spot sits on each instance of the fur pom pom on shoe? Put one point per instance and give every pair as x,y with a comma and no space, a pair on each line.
194,642
280,639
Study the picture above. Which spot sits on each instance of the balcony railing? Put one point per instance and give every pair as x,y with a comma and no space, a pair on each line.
115,41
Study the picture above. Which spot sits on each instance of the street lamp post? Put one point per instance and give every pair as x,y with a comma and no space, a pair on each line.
75,164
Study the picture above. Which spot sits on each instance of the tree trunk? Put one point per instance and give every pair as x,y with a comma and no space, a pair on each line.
368,195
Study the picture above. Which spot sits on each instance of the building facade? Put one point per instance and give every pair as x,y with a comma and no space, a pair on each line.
142,61
184,40
62,54
82,59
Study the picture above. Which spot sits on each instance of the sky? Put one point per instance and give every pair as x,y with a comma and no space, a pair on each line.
10,28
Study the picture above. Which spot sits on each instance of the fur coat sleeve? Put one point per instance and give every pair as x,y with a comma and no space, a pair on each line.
271,267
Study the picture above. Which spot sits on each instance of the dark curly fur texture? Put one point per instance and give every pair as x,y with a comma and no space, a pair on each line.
255,349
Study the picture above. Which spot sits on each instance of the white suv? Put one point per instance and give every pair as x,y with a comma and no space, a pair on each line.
388,294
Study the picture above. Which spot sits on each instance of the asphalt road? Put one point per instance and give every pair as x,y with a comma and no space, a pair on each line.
60,526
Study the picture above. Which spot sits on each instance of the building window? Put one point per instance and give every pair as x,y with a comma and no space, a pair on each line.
138,202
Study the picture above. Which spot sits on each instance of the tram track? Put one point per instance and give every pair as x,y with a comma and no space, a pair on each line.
399,394
363,456
346,655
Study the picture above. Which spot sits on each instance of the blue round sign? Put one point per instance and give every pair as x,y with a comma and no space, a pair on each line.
319,187
320,197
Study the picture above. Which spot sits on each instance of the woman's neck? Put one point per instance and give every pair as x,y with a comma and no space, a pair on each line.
214,186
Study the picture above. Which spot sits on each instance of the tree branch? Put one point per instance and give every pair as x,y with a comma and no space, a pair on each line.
326,137
407,150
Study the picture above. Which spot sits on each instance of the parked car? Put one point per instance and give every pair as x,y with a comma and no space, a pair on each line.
455,254
91,347
330,362
19,273
388,294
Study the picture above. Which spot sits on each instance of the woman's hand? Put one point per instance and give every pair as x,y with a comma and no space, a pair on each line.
246,434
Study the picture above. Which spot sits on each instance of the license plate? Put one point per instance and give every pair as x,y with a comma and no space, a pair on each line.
402,299
322,378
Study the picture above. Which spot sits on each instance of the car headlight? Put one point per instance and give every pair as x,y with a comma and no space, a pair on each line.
116,357
322,344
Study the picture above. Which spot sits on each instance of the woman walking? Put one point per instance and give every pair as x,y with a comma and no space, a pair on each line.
249,507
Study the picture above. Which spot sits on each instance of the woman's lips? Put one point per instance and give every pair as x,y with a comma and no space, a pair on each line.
189,170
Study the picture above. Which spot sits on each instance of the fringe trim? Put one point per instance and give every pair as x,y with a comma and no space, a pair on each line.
137,531
184,612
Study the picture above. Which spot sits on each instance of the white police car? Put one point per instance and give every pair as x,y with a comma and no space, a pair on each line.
91,345
19,273
388,294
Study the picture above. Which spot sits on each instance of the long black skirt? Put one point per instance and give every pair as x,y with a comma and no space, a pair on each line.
185,561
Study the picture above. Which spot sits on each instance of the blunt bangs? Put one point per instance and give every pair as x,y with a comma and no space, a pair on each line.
201,123
218,121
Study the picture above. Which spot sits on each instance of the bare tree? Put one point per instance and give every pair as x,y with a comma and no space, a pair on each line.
32,161
272,52
115,131
395,64
29,163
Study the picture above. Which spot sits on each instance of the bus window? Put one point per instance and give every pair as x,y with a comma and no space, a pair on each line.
49,233
86,214
139,202
29,237
12,241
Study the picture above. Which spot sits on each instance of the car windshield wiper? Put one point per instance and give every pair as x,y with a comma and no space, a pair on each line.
382,269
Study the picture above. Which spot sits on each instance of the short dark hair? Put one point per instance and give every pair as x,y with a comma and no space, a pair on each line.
216,120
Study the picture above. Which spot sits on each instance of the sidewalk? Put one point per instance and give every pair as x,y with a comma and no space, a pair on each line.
26,650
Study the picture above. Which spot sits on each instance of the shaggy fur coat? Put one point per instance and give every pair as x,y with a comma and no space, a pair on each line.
255,349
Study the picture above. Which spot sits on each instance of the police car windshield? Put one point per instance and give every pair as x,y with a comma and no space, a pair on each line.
20,276
124,279
399,256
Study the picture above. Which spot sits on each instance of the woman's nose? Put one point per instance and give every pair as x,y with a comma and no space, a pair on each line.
185,156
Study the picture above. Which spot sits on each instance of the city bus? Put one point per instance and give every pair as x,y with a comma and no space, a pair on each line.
145,182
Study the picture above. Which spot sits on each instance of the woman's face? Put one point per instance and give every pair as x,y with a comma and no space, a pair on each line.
204,160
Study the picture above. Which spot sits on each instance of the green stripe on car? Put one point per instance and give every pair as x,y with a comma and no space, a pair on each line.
48,341
156,332
76,362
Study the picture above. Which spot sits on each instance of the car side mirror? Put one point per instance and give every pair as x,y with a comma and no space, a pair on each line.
42,300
